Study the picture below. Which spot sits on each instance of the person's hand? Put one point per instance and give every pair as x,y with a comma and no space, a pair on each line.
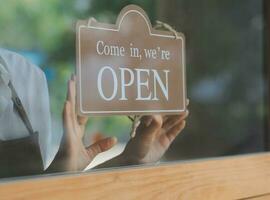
153,137
76,155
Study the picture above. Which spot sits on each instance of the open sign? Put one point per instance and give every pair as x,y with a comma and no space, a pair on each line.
129,68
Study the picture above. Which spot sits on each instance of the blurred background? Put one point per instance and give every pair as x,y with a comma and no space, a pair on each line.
224,41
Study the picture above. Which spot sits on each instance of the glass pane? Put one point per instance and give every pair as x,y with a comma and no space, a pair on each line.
225,85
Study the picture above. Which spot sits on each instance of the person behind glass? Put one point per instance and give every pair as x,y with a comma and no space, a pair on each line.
27,145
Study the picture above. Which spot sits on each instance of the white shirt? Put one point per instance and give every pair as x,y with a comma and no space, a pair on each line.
30,84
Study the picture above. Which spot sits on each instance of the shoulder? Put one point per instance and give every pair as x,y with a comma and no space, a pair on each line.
19,65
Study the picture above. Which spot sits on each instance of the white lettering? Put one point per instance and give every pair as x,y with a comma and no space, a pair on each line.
115,84
109,50
142,77
123,81
140,84
164,89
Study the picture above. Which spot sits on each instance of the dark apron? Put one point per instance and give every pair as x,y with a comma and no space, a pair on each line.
20,157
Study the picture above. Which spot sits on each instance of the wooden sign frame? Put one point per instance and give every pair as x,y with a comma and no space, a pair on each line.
133,30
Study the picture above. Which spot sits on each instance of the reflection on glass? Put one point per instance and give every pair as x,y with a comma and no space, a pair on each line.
224,74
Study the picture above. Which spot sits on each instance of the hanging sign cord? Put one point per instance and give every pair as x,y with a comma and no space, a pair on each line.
165,26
